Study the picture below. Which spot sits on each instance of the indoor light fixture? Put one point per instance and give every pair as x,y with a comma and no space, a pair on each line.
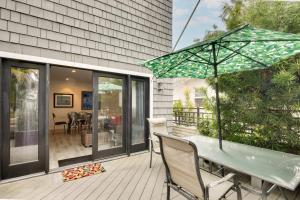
73,70
67,79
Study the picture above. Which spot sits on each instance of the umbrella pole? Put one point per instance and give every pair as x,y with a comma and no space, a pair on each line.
218,112
217,97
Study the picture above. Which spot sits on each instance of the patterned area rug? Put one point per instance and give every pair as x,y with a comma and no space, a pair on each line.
82,171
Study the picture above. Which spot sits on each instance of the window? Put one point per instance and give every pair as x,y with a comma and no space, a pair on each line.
199,97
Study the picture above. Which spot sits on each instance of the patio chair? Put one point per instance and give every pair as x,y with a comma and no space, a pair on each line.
156,125
180,158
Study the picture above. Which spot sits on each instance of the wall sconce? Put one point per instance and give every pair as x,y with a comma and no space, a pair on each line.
160,86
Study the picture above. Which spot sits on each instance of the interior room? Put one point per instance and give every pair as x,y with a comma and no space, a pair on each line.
70,110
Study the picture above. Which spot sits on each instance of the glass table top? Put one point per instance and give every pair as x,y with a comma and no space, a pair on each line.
276,167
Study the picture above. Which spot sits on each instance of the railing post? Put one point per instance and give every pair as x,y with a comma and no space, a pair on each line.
198,115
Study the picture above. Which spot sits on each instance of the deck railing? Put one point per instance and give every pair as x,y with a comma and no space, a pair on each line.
190,116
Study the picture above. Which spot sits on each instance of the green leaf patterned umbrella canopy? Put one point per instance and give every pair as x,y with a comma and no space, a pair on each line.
245,48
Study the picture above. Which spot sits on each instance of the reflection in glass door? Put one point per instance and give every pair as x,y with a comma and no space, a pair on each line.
23,119
110,112
23,102
139,113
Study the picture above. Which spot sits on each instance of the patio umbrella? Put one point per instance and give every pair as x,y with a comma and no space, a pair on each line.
244,48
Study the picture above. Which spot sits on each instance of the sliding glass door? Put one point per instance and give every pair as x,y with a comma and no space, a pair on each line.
139,114
23,121
110,121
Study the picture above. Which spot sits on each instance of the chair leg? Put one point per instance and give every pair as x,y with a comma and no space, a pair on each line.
151,157
53,129
168,192
237,188
64,129
238,193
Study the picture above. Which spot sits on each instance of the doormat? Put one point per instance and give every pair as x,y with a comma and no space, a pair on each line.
82,171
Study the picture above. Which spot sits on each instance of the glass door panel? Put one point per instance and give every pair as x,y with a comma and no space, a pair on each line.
23,104
110,111
24,118
139,113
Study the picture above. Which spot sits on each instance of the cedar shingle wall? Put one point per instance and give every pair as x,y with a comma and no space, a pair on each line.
111,33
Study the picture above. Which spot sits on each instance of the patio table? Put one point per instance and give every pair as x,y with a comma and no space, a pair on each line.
278,168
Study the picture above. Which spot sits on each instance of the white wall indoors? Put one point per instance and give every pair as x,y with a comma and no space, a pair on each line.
79,81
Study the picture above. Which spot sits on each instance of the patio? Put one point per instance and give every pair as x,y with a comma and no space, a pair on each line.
125,178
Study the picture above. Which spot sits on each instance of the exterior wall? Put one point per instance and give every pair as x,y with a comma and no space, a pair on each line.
113,33
163,101
181,85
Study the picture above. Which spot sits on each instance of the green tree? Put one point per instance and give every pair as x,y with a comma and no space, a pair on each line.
177,106
188,102
258,107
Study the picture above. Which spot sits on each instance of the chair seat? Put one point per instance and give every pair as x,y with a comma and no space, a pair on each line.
156,150
217,191
60,123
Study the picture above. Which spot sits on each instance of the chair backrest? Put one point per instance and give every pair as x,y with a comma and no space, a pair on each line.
157,125
73,116
181,161
89,118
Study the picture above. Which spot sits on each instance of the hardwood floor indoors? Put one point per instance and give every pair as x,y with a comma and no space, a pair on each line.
64,146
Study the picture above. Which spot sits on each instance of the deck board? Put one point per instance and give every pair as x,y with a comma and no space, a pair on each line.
125,178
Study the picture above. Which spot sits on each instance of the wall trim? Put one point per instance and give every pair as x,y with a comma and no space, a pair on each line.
51,61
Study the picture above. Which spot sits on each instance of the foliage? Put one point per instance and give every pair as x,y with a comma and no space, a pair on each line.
258,107
213,34
177,106
188,102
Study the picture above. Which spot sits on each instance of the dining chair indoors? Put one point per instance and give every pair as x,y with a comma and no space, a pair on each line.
58,123
73,123
180,158
156,125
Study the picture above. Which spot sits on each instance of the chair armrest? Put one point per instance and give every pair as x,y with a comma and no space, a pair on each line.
222,180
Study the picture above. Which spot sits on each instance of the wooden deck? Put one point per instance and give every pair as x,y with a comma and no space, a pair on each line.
125,178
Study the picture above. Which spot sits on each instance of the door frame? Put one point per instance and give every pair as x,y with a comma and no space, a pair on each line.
142,146
7,170
1,115
96,154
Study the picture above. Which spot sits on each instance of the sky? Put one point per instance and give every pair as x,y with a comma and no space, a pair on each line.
207,14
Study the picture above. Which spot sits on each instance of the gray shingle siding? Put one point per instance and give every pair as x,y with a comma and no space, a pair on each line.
112,33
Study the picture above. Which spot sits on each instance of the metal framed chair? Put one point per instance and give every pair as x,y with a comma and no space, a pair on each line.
180,158
156,125
58,123
73,122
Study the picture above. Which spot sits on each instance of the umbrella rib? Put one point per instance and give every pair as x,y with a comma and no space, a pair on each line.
273,40
218,50
195,61
231,32
232,54
237,52
208,62
183,60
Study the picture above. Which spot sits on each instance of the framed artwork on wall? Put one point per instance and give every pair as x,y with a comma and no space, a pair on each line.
86,100
62,100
